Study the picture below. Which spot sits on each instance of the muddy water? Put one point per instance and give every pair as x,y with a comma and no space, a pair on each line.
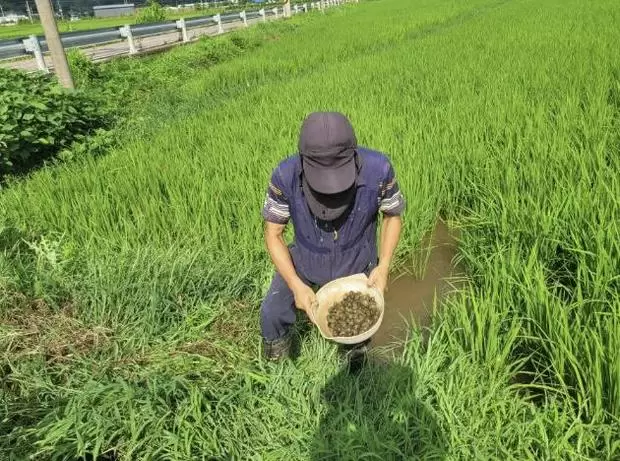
409,300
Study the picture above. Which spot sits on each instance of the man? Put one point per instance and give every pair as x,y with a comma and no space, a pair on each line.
332,191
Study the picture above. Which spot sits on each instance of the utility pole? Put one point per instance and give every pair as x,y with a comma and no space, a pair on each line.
59,58
29,11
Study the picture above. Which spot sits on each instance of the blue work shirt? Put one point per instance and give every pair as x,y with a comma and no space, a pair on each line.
323,251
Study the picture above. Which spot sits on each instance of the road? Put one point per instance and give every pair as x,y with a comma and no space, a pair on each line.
143,45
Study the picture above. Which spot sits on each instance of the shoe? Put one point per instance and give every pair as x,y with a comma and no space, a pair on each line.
277,349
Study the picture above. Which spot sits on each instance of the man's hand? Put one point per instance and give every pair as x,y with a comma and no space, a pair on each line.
379,277
305,298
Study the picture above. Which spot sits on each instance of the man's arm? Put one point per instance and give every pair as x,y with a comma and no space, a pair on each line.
390,235
392,207
305,298
279,253
276,214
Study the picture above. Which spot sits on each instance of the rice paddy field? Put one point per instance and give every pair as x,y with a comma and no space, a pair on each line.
130,282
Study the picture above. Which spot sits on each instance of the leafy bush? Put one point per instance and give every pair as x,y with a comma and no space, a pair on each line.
38,118
153,12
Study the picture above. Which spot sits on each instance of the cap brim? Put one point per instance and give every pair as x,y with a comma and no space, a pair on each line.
330,180
328,207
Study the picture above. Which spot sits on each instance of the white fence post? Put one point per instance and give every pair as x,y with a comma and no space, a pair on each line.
243,16
296,8
305,7
126,32
181,25
218,18
262,13
32,45
275,11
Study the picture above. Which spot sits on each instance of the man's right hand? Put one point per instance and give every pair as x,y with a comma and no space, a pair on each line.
305,298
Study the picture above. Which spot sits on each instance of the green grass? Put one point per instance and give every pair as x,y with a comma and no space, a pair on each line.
148,263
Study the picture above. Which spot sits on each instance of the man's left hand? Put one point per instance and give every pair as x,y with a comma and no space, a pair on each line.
379,277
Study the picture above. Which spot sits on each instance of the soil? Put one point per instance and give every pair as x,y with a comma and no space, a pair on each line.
355,314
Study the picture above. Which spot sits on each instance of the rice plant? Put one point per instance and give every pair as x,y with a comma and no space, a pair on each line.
501,116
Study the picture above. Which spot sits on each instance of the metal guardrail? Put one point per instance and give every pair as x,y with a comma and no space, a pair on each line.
12,48
36,45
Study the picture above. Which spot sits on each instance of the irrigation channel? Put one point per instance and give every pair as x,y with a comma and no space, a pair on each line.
410,300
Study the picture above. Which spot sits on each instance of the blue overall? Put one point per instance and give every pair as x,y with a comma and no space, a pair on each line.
319,252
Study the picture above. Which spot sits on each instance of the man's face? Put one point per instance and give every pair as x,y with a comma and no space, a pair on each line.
327,147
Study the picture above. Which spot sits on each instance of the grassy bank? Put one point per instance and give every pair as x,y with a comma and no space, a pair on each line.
130,283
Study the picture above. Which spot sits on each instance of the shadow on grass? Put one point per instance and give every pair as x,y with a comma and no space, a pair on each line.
300,332
375,414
